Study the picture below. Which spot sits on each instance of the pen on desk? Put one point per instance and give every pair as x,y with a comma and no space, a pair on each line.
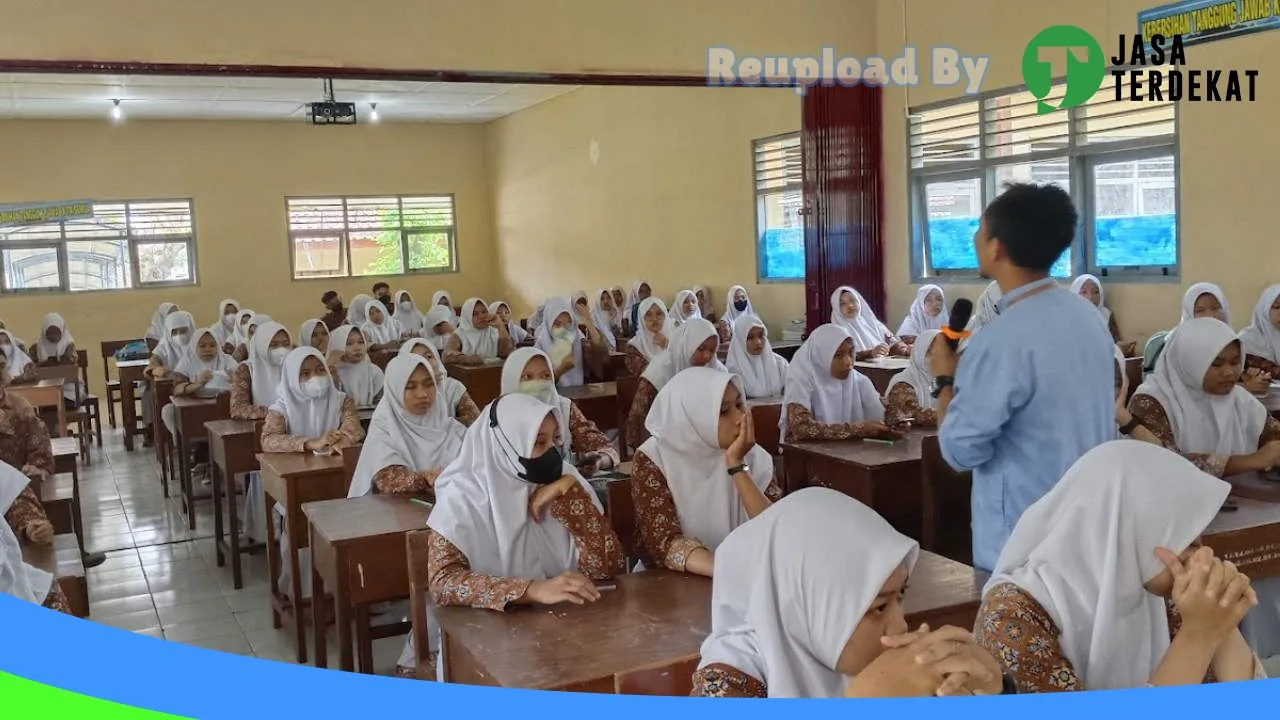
423,503
877,441
608,586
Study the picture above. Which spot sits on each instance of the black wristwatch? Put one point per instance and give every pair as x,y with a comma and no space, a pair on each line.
739,468
1128,428
941,383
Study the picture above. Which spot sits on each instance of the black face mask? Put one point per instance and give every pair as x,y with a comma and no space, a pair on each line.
739,305
543,470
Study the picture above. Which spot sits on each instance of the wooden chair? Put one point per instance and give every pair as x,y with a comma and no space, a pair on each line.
91,404
621,509
945,495
627,387
70,375
109,348
161,392
416,542
769,437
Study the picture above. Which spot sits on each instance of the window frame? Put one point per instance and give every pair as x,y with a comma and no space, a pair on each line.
344,236
1081,158
61,247
758,196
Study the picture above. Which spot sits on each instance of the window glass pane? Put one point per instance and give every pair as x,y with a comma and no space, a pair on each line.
158,219
316,214
781,235
376,253
163,262
99,265
29,268
1135,220
430,251
945,135
954,209
1053,171
318,256
428,211
372,213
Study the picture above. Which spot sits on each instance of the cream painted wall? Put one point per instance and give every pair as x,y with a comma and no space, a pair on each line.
656,36
238,174
667,196
1226,160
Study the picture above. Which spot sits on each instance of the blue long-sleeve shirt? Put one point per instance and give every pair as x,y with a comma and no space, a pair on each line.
1034,391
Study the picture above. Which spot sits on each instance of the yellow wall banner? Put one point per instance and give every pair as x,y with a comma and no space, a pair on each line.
34,213
1204,20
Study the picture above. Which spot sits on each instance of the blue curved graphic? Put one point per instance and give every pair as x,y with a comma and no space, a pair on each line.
101,662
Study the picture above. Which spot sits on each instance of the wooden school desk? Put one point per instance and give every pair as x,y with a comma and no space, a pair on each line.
192,413
598,402
62,560
130,372
46,393
358,553
765,414
65,481
881,370
883,477
293,479
786,349
1248,537
233,449
483,382
617,366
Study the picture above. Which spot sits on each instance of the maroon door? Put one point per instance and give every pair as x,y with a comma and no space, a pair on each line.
843,197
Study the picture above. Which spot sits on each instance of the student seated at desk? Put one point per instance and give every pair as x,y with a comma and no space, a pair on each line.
826,399
439,324
909,397
442,299
254,383
156,330
224,330
513,522
204,372
55,346
706,308
21,370
314,333
1261,339
620,306
500,308
335,312
355,373
596,331
1203,300
751,357
239,336
528,371
480,338
170,351
985,311
693,344
700,474
1101,588
685,308
737,305
1089,287
250,331
450,392
1126,425
384,332
26,522
411,439
640,291
926,314
572,342
807,603
655,331
871,339
607,317
407,314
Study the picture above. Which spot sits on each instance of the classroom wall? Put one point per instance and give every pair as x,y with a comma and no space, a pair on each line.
621,36
603,186
238,174
1226,211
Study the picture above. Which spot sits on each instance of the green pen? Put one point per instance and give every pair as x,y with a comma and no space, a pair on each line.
423,503
878,441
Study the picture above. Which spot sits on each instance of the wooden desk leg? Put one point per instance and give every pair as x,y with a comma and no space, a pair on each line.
273,559
128,413
295,589
184,476
77,521
233,528
62,417
342,613
317,624
364,639
215,474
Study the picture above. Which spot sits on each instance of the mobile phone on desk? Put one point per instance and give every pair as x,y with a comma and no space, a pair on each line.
1272,475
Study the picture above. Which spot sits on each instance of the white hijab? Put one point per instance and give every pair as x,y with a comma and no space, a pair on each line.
511,371
1202,423
449,390
476,341
917,375
681,346
18,360
1103,310
792,585
865,328
221,332
244,319
731,314
363,380
633,297
264,374
517,333
482,506
763,375
1261,338
643,340
381,333
170,352
222,364
410,320
156,331
435,302
358,311
677,309
303,416
684,443
985,312
398,437
53,351
605,322
1086,548
16,577
559,346
436,315
830,399
917,320
1194,292
308,327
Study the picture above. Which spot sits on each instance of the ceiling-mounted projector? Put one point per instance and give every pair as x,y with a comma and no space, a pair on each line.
331,112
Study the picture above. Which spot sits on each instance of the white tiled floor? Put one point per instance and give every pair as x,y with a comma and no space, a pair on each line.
161,579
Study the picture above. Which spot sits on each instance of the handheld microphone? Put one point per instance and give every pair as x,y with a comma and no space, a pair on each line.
954,330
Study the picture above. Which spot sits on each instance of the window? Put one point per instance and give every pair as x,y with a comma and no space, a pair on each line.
1117,159
362,236
779,199
130,244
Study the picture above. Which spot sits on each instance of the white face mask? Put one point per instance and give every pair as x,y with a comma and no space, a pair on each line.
229,321
406,305
181,339
277,355
563,334
316,387
540,389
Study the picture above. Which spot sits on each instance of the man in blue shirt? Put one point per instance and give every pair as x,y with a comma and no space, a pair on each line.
1035,389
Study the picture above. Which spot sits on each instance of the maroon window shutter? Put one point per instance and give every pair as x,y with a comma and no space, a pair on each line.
841,144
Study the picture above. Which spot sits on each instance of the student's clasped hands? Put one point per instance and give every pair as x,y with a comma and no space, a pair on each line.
1211,594
946,661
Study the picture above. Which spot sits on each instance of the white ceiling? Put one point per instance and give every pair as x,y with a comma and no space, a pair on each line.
34,95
